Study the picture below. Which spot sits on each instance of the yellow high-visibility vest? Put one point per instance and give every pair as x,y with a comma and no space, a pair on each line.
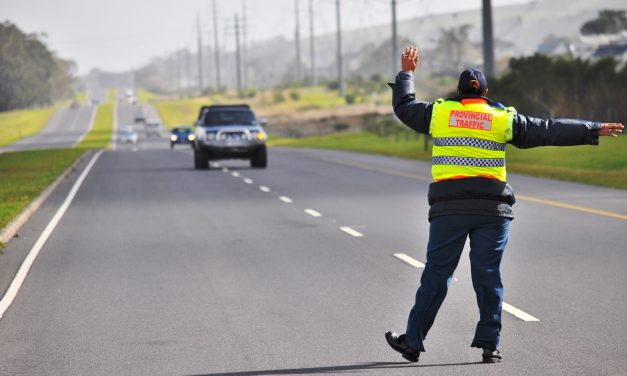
469,139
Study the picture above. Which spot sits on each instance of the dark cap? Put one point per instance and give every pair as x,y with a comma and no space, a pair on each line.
469,75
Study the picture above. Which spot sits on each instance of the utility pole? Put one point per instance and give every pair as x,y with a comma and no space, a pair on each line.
488,42
312,50
244,45
297,41
216,47
395,65
340,70
238,55
199,55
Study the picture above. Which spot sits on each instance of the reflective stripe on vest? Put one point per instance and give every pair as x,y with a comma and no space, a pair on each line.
469,139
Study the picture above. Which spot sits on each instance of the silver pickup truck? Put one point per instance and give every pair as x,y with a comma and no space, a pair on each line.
229,132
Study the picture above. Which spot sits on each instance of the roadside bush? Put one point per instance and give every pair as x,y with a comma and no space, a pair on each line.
278,97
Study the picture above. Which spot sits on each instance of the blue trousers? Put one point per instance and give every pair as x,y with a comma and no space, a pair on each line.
447,236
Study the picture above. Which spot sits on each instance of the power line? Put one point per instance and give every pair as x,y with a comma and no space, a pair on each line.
488,42
297,41
216,48
312,49
199,54
340,70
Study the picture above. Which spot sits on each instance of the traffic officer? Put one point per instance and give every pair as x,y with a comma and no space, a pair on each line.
470,197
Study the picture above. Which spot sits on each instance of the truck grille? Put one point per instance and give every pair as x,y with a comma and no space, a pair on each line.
233,136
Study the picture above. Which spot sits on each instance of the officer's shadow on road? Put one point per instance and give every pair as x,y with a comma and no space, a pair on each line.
370,366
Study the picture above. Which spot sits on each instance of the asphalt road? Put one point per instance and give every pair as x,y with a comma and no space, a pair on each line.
159,269
65,128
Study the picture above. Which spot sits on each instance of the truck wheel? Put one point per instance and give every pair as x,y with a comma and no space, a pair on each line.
259,158
201,159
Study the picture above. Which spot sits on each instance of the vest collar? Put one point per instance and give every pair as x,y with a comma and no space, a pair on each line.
472,98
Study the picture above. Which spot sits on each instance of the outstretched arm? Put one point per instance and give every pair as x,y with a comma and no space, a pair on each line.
531,132
413,113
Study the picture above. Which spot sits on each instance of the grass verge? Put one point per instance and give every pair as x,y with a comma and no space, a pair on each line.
18,124
603,165
100,134
24,175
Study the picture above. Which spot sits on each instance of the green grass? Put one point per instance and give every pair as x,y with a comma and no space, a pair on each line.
100,134
145,96
604,165
15,125
180,112
24,175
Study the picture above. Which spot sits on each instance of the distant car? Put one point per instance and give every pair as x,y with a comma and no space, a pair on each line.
74,105
127,135
153,128
229,132
139,117
181,135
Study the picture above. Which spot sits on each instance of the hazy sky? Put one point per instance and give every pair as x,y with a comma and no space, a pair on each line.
118,35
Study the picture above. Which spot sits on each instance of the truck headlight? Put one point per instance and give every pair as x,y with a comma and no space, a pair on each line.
261,136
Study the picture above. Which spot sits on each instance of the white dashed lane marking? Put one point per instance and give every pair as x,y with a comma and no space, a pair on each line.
518,313
313,213
263,188
506,307
285,199
225,169
248,181
351,232
235,174
410,260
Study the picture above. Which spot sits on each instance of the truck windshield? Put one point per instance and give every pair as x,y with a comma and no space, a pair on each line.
229,118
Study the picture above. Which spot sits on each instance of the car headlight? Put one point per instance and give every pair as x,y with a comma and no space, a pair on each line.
191,137
174,137
261,136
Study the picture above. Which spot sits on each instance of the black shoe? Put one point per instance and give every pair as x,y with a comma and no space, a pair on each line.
491,356
397,343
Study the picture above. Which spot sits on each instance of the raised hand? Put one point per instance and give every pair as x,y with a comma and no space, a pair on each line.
410,59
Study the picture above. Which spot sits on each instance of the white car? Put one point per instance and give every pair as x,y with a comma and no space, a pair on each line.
127,135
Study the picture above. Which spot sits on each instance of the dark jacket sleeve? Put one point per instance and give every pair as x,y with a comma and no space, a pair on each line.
529,132
413,113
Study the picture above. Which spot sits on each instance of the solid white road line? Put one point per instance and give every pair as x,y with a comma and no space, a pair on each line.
235,174
410,260
351,232
264,189
91,124
313,213
248,181
114,136
285,199
13,289
518,313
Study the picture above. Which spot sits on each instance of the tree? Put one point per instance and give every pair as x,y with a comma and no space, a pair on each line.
608,22
30,74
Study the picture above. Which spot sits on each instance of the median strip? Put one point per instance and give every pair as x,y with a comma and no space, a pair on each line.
22,272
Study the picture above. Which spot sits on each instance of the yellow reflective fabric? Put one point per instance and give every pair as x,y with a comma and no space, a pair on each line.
469,139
